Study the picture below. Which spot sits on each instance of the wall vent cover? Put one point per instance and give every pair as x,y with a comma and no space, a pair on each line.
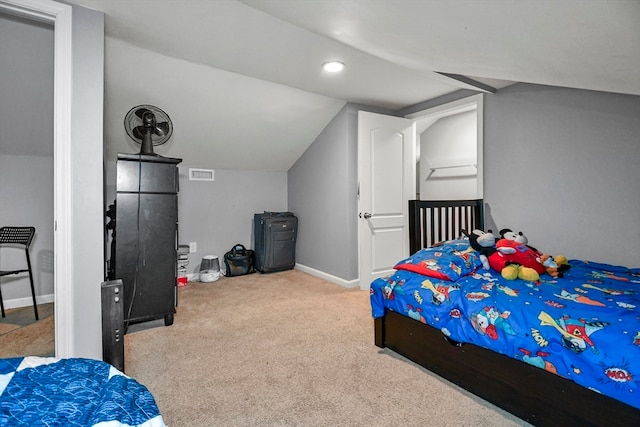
201,174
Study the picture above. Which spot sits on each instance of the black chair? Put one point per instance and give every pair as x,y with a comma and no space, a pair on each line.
15,237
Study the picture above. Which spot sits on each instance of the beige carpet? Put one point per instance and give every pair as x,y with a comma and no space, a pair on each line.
288,349
21,335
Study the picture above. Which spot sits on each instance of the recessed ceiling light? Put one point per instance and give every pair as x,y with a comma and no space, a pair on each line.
333,66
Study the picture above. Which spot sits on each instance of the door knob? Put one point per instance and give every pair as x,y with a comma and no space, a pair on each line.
367,215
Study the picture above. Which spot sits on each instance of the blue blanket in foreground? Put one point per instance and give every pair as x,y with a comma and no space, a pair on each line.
45,391
584,327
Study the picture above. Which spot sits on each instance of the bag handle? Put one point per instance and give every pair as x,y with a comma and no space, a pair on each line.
278,214
242,250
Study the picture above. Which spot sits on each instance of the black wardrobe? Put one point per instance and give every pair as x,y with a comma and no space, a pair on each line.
146,236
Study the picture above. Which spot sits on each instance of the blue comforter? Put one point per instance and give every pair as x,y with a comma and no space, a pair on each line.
45,391
584,326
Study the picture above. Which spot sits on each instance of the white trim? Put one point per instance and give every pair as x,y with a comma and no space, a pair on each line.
480,152
328,277
61,16
194,277
27,301
453,107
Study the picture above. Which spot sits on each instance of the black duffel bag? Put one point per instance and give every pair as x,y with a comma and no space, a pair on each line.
239,261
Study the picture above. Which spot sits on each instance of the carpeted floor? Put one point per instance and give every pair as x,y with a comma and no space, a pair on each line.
21,335
288,349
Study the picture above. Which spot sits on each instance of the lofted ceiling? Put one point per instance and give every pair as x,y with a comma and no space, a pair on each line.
242,81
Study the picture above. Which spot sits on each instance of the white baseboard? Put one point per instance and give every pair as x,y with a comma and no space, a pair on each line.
328,277
27,302
312,271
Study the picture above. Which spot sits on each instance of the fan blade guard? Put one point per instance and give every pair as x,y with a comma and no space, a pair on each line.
162,129
147,132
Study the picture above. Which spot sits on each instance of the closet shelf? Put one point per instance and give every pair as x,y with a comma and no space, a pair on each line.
433,169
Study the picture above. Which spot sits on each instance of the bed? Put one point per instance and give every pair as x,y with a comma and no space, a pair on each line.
562,351
46,391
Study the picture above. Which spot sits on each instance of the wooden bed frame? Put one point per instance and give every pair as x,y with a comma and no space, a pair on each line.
530,393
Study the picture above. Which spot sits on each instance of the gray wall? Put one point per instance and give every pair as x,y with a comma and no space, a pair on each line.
563,166
86,230
26,168
323,193
217,215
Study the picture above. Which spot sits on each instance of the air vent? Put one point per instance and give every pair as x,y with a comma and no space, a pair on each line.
201,174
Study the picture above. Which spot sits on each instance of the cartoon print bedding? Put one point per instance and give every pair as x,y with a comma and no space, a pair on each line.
45,391
584,326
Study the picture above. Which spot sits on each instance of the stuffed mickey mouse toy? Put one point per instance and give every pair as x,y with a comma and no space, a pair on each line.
483,242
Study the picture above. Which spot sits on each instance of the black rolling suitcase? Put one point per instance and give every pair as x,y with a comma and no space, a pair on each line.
275,235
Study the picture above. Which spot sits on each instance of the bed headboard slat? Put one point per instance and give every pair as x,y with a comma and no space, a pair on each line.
435,221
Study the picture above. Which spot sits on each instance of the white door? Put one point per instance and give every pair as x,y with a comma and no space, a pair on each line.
386,176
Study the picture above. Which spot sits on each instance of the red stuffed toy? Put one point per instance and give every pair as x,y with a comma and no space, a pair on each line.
514,258
510,252
512,249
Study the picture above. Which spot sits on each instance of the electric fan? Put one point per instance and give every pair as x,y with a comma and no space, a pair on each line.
148,126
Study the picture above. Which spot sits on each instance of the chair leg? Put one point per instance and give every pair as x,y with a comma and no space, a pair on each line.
33,291
1,303
33,295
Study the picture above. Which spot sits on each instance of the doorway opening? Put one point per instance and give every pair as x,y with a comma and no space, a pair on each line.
449,146
27,176
447,165
61,17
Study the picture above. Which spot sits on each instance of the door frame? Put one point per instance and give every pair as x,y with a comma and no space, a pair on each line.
459,106
60,15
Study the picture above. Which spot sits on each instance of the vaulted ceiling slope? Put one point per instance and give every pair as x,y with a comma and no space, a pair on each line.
242,82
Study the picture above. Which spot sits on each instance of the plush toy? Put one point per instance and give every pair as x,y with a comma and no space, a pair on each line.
519,237
515,271
515,258
554,266
483,242
510,252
